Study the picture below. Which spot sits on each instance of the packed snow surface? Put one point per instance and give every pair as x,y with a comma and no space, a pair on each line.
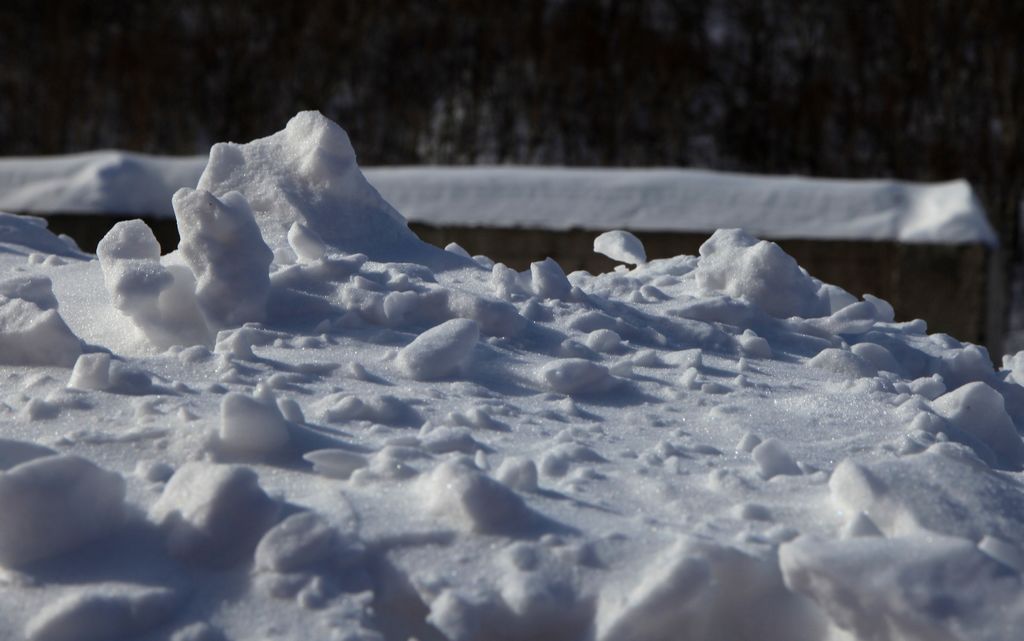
305,423
652,199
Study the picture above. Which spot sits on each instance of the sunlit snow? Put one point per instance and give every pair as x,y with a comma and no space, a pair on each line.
305,423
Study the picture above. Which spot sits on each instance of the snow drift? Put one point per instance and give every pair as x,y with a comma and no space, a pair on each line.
306,423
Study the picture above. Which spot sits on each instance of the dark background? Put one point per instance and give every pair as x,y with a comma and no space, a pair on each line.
913,89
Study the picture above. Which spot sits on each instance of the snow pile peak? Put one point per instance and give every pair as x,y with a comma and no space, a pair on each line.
307,174
759,272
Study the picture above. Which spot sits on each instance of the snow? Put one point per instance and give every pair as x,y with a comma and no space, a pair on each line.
306,423
53,504
439,351
621,246
554,198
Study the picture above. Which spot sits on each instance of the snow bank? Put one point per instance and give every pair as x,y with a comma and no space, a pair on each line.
306,423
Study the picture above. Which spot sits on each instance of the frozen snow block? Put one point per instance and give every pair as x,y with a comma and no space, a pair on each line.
103,612
548,281
296,543
911,589
518,473
575,376
91,372
213,514
440,351
306,243
843,364
773,460
979,410
656,607
759,272
496,317
621,246
30,335
159,299
222,245
251,427
54,504
879,357
477,501
308,174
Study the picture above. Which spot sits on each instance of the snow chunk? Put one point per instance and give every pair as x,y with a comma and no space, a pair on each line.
335,463
773,459
519,473
914,494
91,372
306,243
213,514
30,335
440,351
160,300
308,174
110,611
548,281
251,427
604,340
483,504
35,289
879,357
657,605
910,588
759,272
221,244
980,411
753,345
621,246
54,504
575,376
843,364
299,541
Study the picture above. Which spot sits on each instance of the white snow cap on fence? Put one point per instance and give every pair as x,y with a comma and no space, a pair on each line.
555,198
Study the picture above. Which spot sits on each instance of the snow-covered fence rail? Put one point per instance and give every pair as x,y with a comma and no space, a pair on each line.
901,241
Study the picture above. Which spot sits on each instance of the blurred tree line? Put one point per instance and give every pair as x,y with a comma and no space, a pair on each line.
913,89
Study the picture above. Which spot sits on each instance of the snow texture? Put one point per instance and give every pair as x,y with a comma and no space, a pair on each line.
305,423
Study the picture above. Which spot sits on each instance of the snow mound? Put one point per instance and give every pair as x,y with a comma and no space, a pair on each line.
113,611
213,514
759,272
314,425
31,335
54,504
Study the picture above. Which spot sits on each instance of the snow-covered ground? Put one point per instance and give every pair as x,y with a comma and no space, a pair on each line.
677,200
305,423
